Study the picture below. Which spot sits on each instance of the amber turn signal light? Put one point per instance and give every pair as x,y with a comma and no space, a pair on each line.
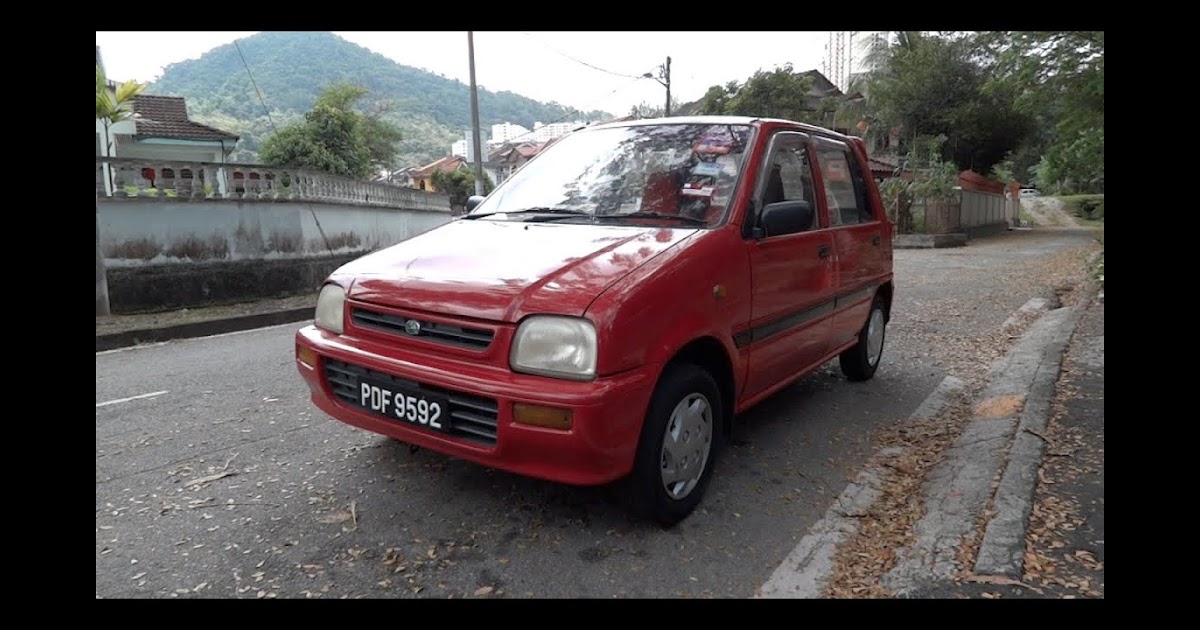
538,416
306,356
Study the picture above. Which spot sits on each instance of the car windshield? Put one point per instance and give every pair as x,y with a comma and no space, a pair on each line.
671,172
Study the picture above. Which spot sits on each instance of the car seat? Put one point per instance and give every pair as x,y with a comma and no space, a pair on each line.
661,192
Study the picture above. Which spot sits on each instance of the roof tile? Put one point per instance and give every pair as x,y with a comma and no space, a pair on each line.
167,117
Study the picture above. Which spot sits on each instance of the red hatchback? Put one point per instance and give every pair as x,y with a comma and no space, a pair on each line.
605,312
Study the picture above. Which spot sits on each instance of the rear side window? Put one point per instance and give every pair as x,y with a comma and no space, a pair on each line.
845,184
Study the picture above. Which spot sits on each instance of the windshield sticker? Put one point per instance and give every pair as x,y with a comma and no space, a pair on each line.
712,143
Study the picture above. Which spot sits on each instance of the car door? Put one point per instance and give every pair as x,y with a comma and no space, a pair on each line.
792,270
858,232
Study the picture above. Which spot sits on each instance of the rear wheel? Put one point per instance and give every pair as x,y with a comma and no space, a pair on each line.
678,446
860,362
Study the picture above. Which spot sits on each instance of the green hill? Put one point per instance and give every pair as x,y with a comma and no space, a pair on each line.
291,69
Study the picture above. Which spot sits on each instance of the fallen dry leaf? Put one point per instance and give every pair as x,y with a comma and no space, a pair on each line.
1000,580
210,478
483,591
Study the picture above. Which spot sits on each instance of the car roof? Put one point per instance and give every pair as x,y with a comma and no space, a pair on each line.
715,120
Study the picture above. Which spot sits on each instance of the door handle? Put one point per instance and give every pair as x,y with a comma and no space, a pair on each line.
823,251
875,240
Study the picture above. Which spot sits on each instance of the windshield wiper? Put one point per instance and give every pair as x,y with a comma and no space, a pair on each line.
534,210
652,215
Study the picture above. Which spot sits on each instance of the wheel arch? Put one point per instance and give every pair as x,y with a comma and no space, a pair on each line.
885,291
710,354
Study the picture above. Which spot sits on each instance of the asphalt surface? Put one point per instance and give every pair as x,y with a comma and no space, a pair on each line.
224,481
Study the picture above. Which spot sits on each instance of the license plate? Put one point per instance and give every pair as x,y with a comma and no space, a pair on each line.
413,407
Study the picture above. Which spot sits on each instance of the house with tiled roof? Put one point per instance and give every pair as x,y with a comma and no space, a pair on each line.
422,177
505,159
161,130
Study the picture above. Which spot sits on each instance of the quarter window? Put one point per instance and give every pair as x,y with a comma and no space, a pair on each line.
845,186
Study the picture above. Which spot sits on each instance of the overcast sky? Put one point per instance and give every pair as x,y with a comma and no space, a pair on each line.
536,64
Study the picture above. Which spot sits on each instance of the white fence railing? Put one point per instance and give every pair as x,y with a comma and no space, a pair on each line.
129,177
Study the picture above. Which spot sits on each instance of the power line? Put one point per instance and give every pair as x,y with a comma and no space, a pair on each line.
255,84
628,76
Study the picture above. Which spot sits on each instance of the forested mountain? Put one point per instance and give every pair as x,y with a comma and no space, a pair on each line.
290,70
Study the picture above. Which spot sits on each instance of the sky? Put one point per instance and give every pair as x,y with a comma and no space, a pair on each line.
582,69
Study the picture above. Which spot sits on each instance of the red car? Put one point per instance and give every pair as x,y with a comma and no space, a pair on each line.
605,312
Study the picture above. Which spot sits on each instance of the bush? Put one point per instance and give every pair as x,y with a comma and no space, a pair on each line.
1089,207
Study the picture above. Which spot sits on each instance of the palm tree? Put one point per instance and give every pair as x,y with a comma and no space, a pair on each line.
112,106
878,52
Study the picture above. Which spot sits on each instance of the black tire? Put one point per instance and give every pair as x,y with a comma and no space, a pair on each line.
648,492
856,362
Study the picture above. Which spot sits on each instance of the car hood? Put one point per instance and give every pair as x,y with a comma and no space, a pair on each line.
502,271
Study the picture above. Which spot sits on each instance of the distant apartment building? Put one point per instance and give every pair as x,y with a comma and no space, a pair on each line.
465,148
506,132
510,132
546,133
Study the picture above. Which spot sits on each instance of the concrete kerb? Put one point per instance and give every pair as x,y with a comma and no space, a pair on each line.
959,489
806,571
128,338
1002,551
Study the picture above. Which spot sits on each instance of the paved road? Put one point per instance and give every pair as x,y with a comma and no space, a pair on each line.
221,479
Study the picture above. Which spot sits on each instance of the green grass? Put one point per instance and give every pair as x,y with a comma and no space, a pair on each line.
1027,217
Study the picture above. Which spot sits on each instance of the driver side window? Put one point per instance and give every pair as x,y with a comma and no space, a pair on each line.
795,175
788,175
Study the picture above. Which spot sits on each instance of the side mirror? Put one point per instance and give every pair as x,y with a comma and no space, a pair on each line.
472,201
787,217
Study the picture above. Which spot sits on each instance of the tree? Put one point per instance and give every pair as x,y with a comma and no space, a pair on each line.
112,106
459,185
335,137
929,85
780,93
1058,78
646,110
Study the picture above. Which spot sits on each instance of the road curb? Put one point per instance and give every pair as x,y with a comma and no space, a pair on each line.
806,571
958,490
1002,551
113,341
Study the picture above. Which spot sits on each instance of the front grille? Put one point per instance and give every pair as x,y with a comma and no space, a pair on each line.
472,418
473,338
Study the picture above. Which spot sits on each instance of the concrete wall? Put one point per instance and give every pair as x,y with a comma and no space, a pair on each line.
982,209
139,231
168,254
148,288
975,213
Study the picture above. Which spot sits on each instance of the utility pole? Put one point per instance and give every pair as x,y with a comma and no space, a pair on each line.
475,117
667,84
665,81
102,307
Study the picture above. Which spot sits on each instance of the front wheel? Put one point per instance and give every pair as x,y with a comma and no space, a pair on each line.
860,362
678,445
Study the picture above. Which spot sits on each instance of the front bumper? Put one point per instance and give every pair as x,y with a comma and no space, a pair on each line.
607,413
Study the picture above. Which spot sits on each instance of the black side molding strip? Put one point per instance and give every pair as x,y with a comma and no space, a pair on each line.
801,317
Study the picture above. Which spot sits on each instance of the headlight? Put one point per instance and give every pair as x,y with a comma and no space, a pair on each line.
331,310
563,347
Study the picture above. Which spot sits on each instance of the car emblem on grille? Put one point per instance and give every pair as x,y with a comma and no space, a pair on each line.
412,327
